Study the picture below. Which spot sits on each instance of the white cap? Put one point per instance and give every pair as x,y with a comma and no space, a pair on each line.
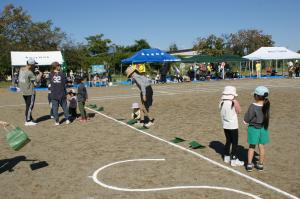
135,105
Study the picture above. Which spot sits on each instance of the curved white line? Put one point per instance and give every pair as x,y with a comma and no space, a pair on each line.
95,174
201,156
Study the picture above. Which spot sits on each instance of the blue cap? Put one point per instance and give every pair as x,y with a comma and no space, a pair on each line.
261,91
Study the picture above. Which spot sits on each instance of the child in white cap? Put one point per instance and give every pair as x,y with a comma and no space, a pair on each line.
136,113
257,118
229,108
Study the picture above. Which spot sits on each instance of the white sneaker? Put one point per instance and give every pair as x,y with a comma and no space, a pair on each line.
31,123
51,116
236,163
227,159
68,122
148,124
56,123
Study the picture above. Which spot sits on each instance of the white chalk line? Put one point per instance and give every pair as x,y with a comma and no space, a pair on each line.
201,156
95,178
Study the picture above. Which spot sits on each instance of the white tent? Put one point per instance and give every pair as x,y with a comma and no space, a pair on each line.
272,53
19,58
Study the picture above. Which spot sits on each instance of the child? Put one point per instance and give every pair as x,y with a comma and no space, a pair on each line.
229,108
72,104
144,84
136,113
257,118
82,97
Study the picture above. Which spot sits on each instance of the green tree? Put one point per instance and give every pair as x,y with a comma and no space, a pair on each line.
97,45
298,51
139,45
19,33
247,41
212,45
173,47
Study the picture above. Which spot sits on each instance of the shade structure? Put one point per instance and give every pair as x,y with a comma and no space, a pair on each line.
198,59
272,53
151,55
209,58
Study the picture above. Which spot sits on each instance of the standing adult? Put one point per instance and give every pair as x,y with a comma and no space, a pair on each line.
144,85
27,82
58,94
297,68
258,69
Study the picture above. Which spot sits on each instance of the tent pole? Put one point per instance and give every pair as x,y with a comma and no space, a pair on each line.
240,68
276,65
282,67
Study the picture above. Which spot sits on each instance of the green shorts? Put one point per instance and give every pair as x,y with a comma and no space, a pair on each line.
258,136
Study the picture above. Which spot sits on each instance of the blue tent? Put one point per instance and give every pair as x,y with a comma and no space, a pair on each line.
149,56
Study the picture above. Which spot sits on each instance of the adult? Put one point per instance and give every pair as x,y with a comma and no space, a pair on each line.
58,93
297,68
144,85
27,82
291,69
258,69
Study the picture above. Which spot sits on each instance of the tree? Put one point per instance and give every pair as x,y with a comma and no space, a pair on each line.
247,41
139,45
298,51
97,45
19,33
212,45
173,47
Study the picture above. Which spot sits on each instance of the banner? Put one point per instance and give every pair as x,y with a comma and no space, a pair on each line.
140,67
19,58
100,69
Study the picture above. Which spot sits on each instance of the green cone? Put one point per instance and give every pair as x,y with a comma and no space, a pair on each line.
132,121
99,109
196,145
177,140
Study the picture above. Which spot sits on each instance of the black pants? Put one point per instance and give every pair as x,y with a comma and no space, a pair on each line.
73,113
29,101
232,137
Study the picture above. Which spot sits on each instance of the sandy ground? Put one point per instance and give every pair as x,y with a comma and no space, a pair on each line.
190,111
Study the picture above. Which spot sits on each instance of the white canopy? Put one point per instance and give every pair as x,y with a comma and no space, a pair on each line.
19,58
272,53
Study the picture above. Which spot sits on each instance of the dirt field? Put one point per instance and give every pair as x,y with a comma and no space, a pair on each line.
75,152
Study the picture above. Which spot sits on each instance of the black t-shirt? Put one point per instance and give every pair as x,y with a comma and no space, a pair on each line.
58,82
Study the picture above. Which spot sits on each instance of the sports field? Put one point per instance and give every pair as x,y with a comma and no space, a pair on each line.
107,159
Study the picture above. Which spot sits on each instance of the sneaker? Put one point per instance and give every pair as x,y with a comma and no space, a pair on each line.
249,167
31,123
52,117
148,124
260,167
68,122
236,163
56,123
227,159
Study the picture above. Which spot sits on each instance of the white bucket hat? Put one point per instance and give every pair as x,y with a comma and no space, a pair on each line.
135,105
229,93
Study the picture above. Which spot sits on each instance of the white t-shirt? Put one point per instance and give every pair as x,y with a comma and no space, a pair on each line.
228,115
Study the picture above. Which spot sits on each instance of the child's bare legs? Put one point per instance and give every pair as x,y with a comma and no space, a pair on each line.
250,153
261,153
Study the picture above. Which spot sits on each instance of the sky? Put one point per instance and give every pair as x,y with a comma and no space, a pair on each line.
164,22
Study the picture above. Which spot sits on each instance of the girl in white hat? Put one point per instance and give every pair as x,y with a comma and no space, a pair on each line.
136,113
229,108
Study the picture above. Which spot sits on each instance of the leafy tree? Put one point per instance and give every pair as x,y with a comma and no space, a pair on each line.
139,45
19,33
247,41
173,47
97,45
298,51
212,45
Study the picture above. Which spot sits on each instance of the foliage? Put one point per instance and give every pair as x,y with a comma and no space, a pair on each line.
19,33
241,43
97,45
173,47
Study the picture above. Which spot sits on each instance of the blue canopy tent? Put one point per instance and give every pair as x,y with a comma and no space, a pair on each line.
151,55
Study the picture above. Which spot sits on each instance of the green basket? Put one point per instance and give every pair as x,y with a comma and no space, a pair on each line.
132,121
17,138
